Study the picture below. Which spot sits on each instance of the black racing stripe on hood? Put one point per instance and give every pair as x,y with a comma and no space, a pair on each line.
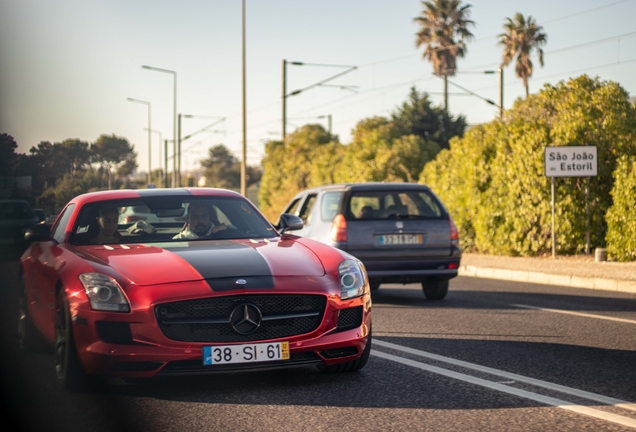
227,265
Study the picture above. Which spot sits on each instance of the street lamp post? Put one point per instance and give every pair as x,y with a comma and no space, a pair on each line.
295,92
160,179
174,115
149,138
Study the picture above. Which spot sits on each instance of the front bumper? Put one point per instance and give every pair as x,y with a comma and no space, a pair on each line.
149,352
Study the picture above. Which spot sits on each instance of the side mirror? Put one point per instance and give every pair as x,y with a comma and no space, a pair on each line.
39,232
289,222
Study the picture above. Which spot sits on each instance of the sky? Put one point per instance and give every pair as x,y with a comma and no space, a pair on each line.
67,67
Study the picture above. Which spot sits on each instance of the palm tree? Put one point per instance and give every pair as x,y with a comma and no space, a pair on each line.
520,38
444,31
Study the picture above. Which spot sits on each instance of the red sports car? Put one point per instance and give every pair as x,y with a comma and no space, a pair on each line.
208,286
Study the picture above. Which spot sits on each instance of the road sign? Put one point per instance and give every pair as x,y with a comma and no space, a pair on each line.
570,161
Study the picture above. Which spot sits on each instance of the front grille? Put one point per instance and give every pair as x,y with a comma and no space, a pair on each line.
114,332
196,366
349,318
208,320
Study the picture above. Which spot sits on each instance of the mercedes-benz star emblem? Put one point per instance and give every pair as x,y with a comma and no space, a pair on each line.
245,319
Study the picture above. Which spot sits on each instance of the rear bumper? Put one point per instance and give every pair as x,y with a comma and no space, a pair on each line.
403,269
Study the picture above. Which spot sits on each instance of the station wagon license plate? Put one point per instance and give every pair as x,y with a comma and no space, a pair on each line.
399,239
246,353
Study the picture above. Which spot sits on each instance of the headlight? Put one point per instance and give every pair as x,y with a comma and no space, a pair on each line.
104,293
353,279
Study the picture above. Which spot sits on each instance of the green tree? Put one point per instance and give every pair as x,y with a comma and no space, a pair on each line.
223,170
417,116
444,30
291,166
520,38
8,155
77,154
68,187
114,153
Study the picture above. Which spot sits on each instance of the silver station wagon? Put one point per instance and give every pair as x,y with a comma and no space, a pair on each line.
400,231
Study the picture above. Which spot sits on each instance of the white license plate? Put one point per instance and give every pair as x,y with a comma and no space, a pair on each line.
399,239
246,353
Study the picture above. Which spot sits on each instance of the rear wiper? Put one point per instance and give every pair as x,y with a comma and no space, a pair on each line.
410,216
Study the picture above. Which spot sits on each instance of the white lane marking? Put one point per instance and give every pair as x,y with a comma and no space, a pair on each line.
559,403
511,376
575,313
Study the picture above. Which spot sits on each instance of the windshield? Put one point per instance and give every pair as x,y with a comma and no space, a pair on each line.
394,205
169,219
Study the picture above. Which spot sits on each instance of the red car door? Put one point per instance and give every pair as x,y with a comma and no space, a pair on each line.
42,275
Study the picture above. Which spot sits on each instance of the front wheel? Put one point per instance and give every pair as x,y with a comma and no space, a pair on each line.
68,368
435,289
28,336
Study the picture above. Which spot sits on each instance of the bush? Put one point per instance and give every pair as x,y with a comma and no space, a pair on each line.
493,179
621,216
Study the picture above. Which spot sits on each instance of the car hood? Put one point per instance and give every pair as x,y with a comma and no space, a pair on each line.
255,261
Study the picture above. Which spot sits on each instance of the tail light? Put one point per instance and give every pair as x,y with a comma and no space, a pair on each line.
453,230
339,229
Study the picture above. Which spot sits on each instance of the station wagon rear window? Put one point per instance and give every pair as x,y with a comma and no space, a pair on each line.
389,204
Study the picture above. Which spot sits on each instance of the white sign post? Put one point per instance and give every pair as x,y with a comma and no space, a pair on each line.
571,161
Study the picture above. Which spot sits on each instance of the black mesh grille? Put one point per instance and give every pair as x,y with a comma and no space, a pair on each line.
350,318
114,332
136,366
197,366
176,319
339,352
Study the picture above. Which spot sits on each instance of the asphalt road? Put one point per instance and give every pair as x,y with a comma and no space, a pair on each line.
426,372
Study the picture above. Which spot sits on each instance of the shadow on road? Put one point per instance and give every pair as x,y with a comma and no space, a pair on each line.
31,394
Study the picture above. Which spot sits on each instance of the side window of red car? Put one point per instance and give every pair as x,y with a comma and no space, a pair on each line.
60,227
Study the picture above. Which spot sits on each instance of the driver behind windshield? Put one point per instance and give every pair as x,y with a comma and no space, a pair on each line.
201,222
107,223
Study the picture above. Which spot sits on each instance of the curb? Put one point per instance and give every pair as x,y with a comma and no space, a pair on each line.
548,279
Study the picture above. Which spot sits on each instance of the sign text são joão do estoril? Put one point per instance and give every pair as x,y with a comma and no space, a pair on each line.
570,161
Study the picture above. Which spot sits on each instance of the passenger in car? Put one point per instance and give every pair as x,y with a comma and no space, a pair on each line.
366,212
107,220
202,223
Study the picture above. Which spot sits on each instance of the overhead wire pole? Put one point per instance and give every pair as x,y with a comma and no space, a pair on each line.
148,181
165,158
244,159
501,92
474,94
295,92
284,98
